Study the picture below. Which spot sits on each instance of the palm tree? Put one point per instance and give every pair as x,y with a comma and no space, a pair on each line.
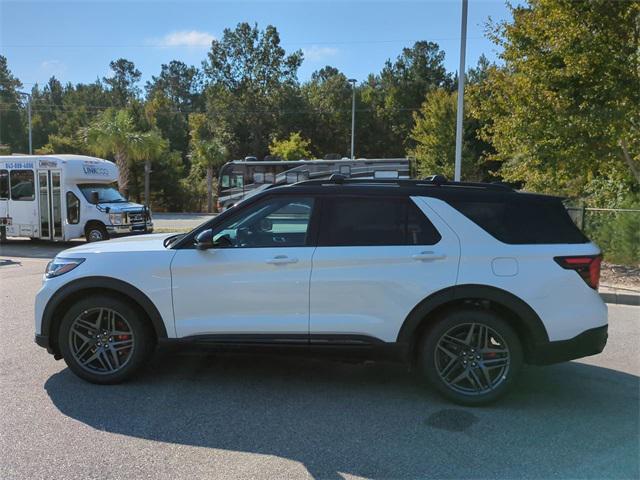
113,132
207,150
146,147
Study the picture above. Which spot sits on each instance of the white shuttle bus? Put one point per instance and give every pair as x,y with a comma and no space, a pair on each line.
61,197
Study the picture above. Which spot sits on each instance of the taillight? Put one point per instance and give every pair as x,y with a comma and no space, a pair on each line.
588,267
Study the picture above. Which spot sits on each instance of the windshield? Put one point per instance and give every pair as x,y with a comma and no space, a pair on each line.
107,193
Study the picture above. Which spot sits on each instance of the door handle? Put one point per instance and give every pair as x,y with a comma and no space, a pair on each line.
281,260
428,256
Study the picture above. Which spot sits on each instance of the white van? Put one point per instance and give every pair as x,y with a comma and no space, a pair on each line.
60,197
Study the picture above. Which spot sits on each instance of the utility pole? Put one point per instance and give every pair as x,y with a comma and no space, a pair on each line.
460,111
28,95
353,81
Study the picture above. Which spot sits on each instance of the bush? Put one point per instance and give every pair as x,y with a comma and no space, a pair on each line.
616,233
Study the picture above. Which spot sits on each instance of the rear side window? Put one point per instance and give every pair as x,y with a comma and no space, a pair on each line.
22,185
523,221
362,221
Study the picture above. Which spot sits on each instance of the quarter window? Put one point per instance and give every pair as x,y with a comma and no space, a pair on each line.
22,185
276,222
73,208
375,221
4,184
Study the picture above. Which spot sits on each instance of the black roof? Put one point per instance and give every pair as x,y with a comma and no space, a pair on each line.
438,188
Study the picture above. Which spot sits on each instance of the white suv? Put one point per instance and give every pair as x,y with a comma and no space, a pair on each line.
465,281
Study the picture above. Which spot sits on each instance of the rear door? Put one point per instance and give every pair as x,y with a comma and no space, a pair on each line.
377,258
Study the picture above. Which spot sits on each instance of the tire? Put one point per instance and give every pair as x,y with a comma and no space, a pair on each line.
109,358
448,352
96,232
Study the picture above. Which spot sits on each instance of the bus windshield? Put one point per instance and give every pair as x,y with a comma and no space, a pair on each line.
107,193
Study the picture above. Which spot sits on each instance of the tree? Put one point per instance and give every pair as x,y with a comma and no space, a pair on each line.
250,83
122,83
564,112
12,128
389,99
328,97
293,148
149,147
434,134
178,82
114,133
207,150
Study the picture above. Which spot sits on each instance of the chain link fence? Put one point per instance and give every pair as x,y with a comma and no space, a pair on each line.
615,230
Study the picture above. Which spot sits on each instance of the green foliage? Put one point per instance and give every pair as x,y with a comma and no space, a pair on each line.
123,81
251,82
207,148
568,95
617,233
12,117
293,148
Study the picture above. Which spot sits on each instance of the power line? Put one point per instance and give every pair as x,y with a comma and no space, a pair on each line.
164,46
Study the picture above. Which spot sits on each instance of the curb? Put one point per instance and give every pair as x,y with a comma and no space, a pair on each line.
621,298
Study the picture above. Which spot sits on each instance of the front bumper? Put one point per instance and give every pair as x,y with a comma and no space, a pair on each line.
118,230
589,342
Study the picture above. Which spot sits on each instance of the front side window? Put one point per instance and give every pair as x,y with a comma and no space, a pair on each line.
352,221
4,184
22,185
107,192
275,222
73,208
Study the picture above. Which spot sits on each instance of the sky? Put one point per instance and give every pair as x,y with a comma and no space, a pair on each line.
76,40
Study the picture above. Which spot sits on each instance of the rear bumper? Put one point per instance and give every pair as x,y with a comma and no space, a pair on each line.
589,342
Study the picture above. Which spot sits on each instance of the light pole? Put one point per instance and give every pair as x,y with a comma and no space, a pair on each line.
353,81
460,112
28,95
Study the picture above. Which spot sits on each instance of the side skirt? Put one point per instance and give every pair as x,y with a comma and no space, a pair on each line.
330,345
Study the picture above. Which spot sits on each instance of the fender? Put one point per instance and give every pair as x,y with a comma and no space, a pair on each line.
105,283
536,332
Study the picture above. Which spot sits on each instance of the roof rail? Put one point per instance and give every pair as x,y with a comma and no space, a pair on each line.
432,181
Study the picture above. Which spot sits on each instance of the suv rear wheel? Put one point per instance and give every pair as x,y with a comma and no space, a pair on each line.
104,339
471,356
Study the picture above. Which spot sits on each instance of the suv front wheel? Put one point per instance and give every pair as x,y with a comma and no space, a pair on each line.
104,339
471,356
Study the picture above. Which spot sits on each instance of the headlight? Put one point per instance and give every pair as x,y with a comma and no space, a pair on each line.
59,266
115,218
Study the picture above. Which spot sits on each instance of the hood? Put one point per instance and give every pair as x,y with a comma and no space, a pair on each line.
136,243
119,207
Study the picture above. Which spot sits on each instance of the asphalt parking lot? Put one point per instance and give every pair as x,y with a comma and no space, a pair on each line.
198,415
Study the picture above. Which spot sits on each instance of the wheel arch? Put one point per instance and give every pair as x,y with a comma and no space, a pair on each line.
513,309
59,302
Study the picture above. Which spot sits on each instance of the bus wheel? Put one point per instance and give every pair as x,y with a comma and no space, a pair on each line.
96,232
3,234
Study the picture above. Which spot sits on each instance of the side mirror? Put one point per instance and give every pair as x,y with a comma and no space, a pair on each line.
204,240
95,197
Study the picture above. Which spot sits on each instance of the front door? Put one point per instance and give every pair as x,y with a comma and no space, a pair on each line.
256,278
50,204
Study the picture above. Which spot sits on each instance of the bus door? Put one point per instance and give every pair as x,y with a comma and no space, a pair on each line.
50,204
